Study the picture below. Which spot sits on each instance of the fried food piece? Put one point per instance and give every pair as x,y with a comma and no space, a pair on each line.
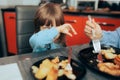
44,69
53,73
109,53
52,69
63,63
35,69
56,60
109,68
60,72
69,74
117,60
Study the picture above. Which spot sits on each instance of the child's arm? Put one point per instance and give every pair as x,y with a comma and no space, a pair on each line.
40,39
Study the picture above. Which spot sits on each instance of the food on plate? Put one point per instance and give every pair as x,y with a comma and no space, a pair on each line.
109,53
56,60
35,69
60,72
52,69
44,68
63,63
117,60
53,73
109,68
69,74
112,63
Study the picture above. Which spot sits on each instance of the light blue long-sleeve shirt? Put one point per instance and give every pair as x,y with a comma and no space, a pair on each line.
111,38
39,40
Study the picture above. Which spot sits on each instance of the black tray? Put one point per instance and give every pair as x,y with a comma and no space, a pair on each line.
86,56
78,69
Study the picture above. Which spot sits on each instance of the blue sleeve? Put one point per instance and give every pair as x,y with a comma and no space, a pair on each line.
38,40
110,38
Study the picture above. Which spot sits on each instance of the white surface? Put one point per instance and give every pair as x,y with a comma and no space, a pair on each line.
10,72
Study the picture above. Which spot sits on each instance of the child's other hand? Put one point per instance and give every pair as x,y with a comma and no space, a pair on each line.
66,29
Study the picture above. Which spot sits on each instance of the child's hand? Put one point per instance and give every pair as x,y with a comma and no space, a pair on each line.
66,28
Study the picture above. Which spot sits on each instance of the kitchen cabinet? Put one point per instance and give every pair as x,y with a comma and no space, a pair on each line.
108,23
79,21
78,24
10,29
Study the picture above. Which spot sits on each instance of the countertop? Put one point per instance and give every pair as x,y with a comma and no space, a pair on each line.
25,61
93,12
115,14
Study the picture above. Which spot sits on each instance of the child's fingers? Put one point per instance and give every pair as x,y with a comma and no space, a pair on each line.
72,29
69,34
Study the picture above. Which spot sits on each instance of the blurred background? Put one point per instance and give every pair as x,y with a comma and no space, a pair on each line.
76,4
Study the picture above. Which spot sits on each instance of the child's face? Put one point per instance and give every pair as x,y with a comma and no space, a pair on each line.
53,24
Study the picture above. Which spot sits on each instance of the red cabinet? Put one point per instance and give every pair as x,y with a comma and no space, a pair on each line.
10,29
78,23
108,23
